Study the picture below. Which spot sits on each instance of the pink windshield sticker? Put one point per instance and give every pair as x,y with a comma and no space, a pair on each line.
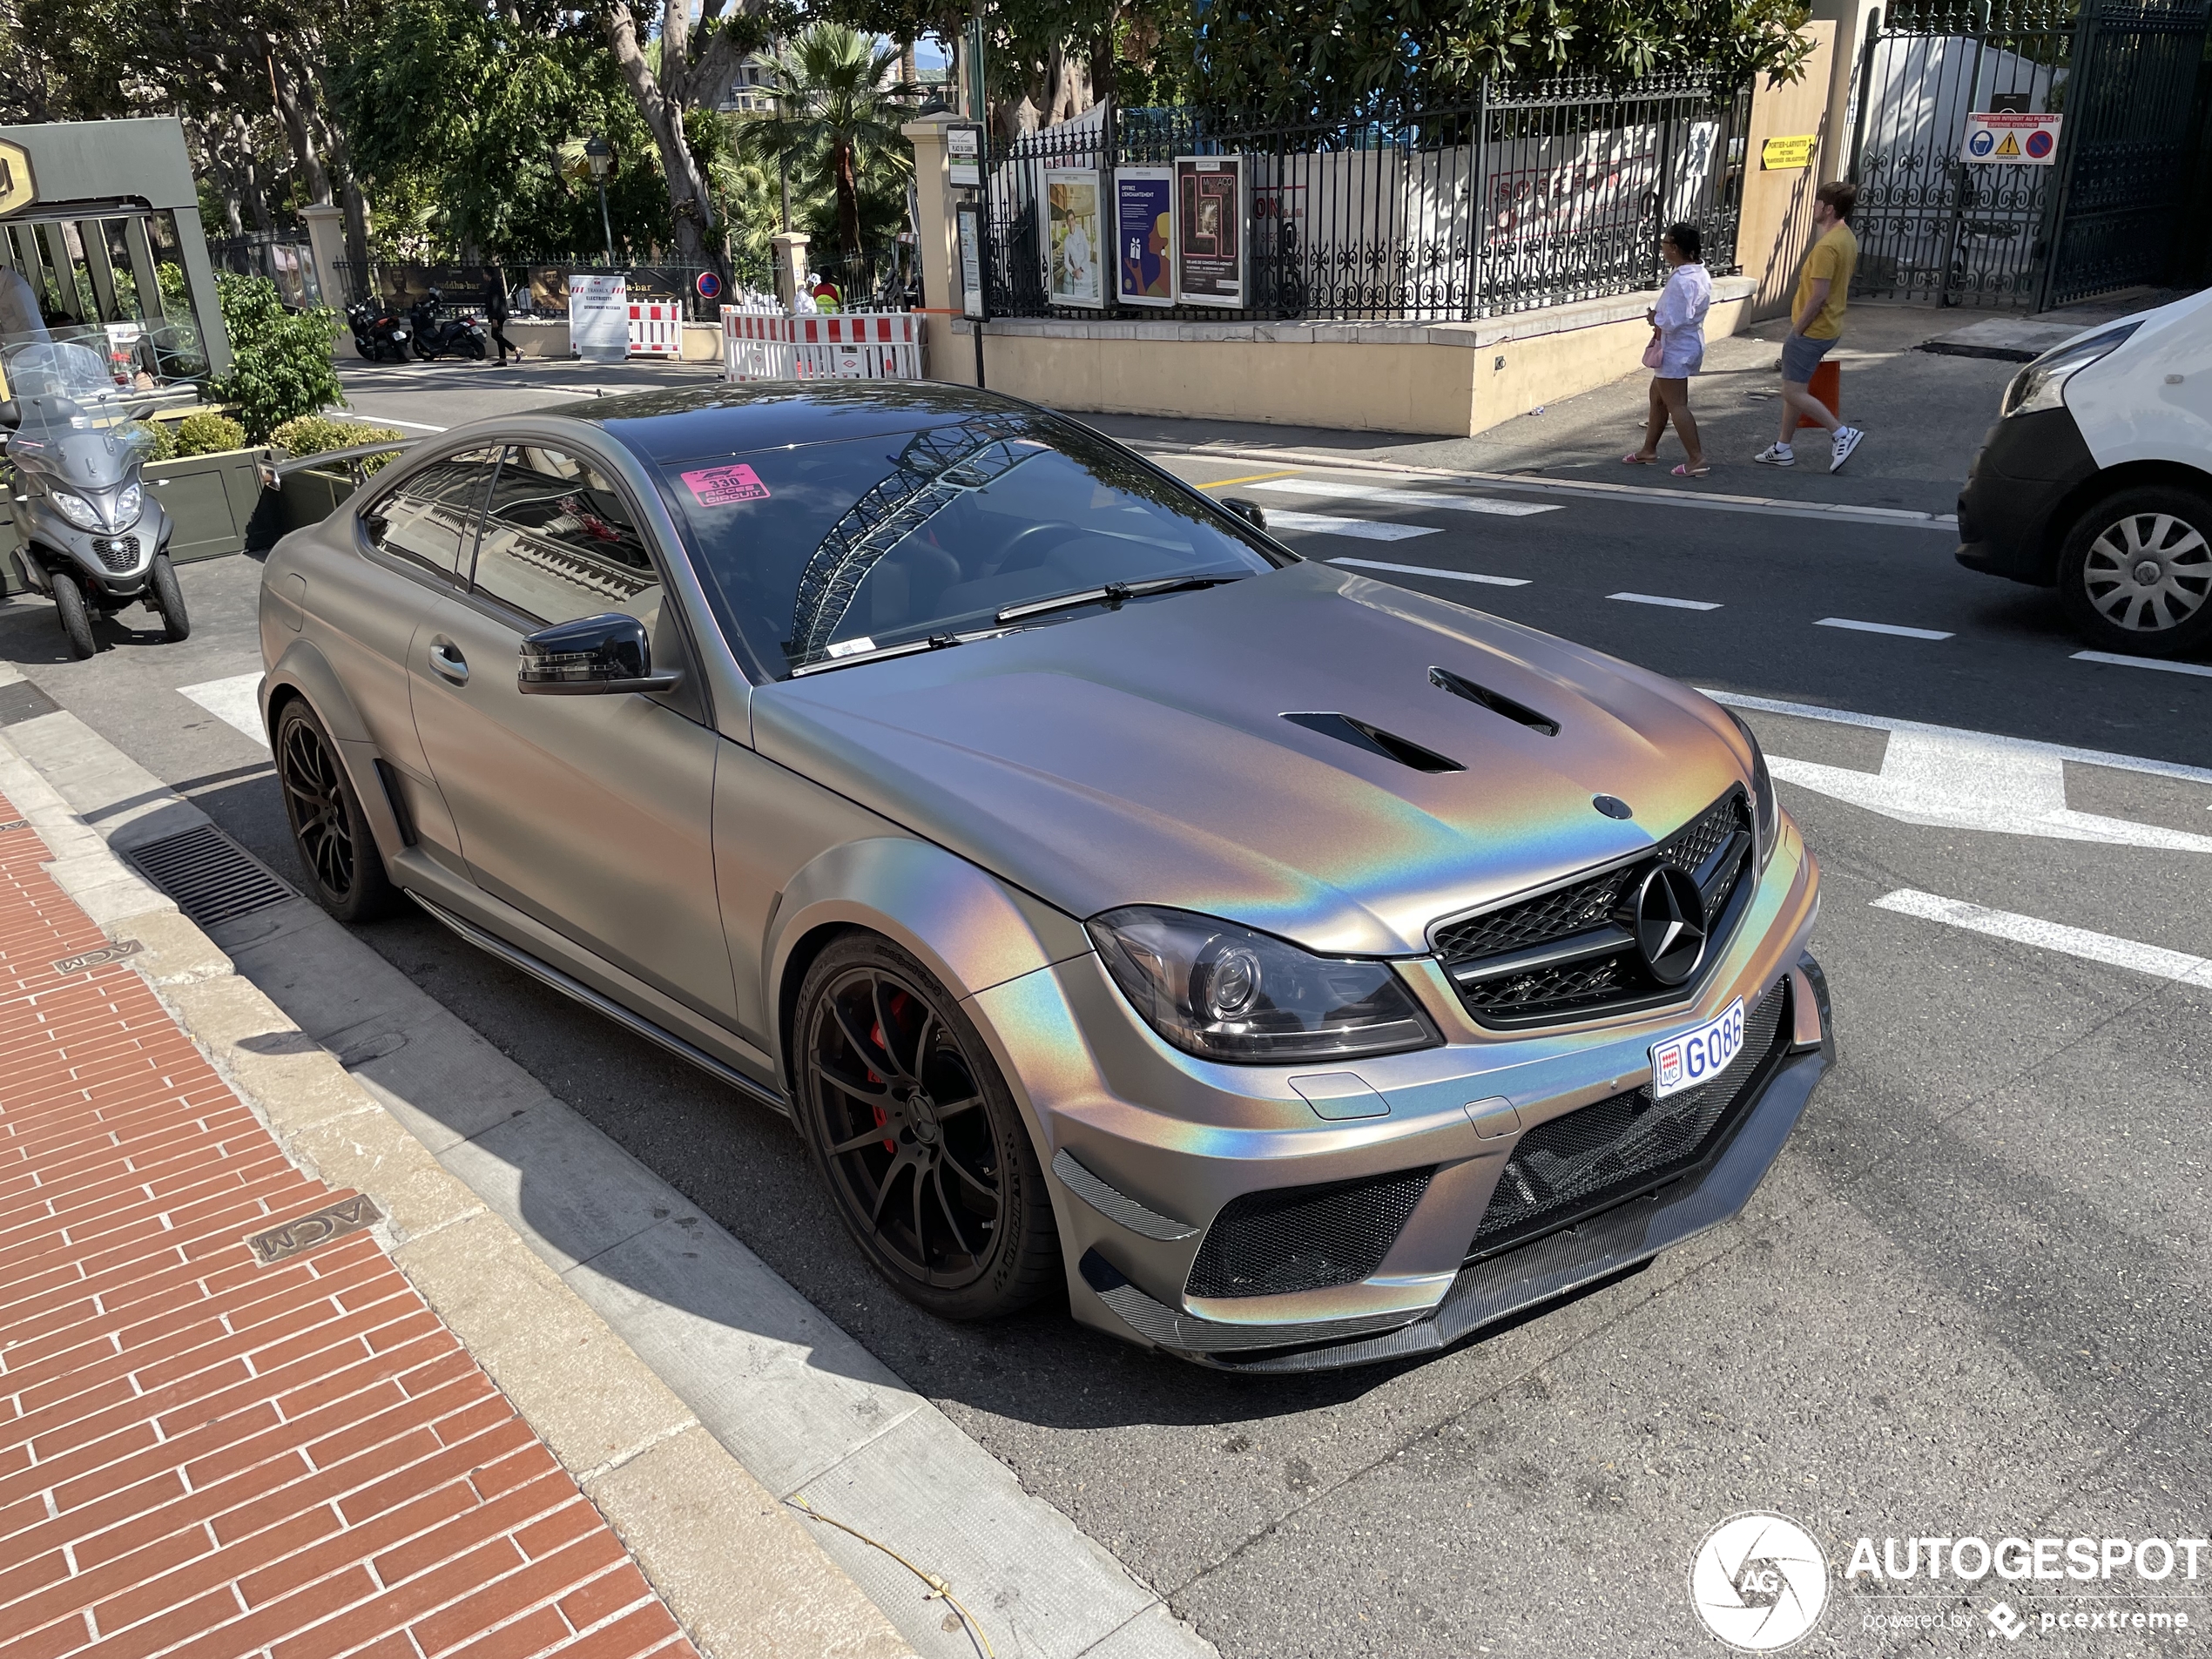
724,486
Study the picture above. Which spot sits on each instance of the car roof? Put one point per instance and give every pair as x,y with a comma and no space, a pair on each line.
697,422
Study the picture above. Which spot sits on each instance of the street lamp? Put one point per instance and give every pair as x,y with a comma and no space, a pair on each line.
600,158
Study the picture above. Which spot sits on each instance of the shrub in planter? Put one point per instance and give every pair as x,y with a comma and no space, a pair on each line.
162,438
281,360
314,435
208,433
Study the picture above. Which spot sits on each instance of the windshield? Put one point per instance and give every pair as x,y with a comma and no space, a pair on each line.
821,551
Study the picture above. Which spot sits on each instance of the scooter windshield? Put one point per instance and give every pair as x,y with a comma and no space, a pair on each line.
71,422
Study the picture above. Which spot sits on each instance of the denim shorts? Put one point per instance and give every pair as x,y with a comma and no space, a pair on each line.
1801,354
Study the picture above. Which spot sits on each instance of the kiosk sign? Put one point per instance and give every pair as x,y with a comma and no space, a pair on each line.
2004,137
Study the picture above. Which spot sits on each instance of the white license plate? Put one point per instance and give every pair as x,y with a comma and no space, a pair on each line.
1696,1056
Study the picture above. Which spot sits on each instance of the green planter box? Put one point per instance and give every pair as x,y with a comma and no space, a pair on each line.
310,496
216,501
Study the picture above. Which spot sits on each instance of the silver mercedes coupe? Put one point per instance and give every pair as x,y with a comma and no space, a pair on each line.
1295,970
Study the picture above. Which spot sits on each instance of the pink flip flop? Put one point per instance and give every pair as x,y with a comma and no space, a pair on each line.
1637,461
1687,471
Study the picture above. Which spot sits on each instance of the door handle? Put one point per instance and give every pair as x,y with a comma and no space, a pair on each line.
449,664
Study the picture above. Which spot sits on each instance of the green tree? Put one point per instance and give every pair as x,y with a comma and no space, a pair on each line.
281,360
836,120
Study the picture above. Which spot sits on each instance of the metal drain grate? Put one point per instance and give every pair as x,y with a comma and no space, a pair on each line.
212,878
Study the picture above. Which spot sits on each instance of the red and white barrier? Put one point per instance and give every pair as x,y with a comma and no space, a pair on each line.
656,329
844,346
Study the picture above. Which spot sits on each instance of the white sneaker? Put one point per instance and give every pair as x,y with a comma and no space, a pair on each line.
1777,454
1848,438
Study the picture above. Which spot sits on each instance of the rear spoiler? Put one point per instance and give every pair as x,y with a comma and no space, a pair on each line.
272,473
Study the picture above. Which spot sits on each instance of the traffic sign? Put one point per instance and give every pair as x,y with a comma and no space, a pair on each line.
2010,137
708,284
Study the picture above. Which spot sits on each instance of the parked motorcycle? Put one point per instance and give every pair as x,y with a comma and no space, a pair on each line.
437,336
378,334
94,540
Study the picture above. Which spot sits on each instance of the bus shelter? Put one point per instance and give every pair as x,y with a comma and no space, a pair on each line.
101,243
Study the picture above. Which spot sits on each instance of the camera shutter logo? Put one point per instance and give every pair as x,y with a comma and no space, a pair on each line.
1759,1582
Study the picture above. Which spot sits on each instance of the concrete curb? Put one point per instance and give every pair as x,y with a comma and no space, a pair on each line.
738,1570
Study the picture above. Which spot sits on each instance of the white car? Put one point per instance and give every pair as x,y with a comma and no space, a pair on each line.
2097,479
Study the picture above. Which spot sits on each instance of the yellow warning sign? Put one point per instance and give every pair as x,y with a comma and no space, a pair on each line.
2010,147
1782,155
17,189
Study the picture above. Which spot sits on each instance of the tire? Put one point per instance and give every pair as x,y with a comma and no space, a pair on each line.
345,872
476,349
76,616
168,599
947,1201
2136,572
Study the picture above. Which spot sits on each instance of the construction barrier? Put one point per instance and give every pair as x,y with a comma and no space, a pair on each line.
844,346
656,329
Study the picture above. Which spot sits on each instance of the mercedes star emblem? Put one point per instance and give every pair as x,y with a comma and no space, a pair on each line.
1670,925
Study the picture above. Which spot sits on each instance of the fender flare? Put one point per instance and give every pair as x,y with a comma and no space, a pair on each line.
968,928
304,671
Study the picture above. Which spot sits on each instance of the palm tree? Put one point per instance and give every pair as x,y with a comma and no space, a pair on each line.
838,106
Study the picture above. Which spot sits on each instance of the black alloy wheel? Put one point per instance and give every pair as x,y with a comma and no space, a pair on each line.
328,829
76,616
922,1144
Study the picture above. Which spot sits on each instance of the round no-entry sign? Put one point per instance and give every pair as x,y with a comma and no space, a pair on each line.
2038,143
708,284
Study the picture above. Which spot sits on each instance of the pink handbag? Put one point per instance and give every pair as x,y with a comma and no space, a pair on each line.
1655,353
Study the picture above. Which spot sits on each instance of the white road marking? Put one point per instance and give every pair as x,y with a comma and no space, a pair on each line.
1881,628
1410,498
1327,524
1661,599
2143,662
387,420
1947,779
2153,960
236,701
1444,575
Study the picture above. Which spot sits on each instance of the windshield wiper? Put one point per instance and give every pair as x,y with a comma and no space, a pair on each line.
1112,593
912,647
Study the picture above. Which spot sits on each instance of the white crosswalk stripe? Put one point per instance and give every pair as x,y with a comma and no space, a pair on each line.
1429,498
1366,530
2154,960
236,701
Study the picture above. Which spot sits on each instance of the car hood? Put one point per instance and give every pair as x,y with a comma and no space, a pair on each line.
1141,757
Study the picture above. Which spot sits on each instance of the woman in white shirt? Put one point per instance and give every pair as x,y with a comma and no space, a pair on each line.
1677,351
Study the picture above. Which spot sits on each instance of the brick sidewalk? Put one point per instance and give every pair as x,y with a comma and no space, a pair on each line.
210,1459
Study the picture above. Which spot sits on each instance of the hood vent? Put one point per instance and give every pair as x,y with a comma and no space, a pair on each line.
1375,740
1496,702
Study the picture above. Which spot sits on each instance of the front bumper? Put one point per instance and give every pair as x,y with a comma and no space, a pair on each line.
2012,512
1148,1148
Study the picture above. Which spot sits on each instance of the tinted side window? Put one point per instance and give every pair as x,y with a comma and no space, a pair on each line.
559,543
431,519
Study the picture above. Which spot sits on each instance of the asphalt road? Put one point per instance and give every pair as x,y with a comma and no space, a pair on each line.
1967,1300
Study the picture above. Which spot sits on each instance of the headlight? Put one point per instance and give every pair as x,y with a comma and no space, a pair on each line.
2041,384
1766,815
1224,992
75,508
128,506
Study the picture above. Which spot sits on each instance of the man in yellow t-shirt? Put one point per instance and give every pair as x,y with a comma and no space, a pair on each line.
1816,323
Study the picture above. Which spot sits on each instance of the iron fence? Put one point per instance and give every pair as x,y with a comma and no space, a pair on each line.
534,287
1527,195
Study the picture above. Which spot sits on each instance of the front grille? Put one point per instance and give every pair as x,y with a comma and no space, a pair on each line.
1625,1144
1306,1238
1612,975
117,552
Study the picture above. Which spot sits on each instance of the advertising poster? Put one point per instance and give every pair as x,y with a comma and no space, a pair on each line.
1075,238
1210,230
599,318
1144,220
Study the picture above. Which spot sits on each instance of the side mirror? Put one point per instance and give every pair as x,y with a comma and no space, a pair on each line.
606,653
1246,509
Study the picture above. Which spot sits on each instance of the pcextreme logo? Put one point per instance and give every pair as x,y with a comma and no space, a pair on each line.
17,189
1759,1582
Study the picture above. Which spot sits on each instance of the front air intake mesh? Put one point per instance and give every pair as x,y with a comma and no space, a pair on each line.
1626,1144
1306,1238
